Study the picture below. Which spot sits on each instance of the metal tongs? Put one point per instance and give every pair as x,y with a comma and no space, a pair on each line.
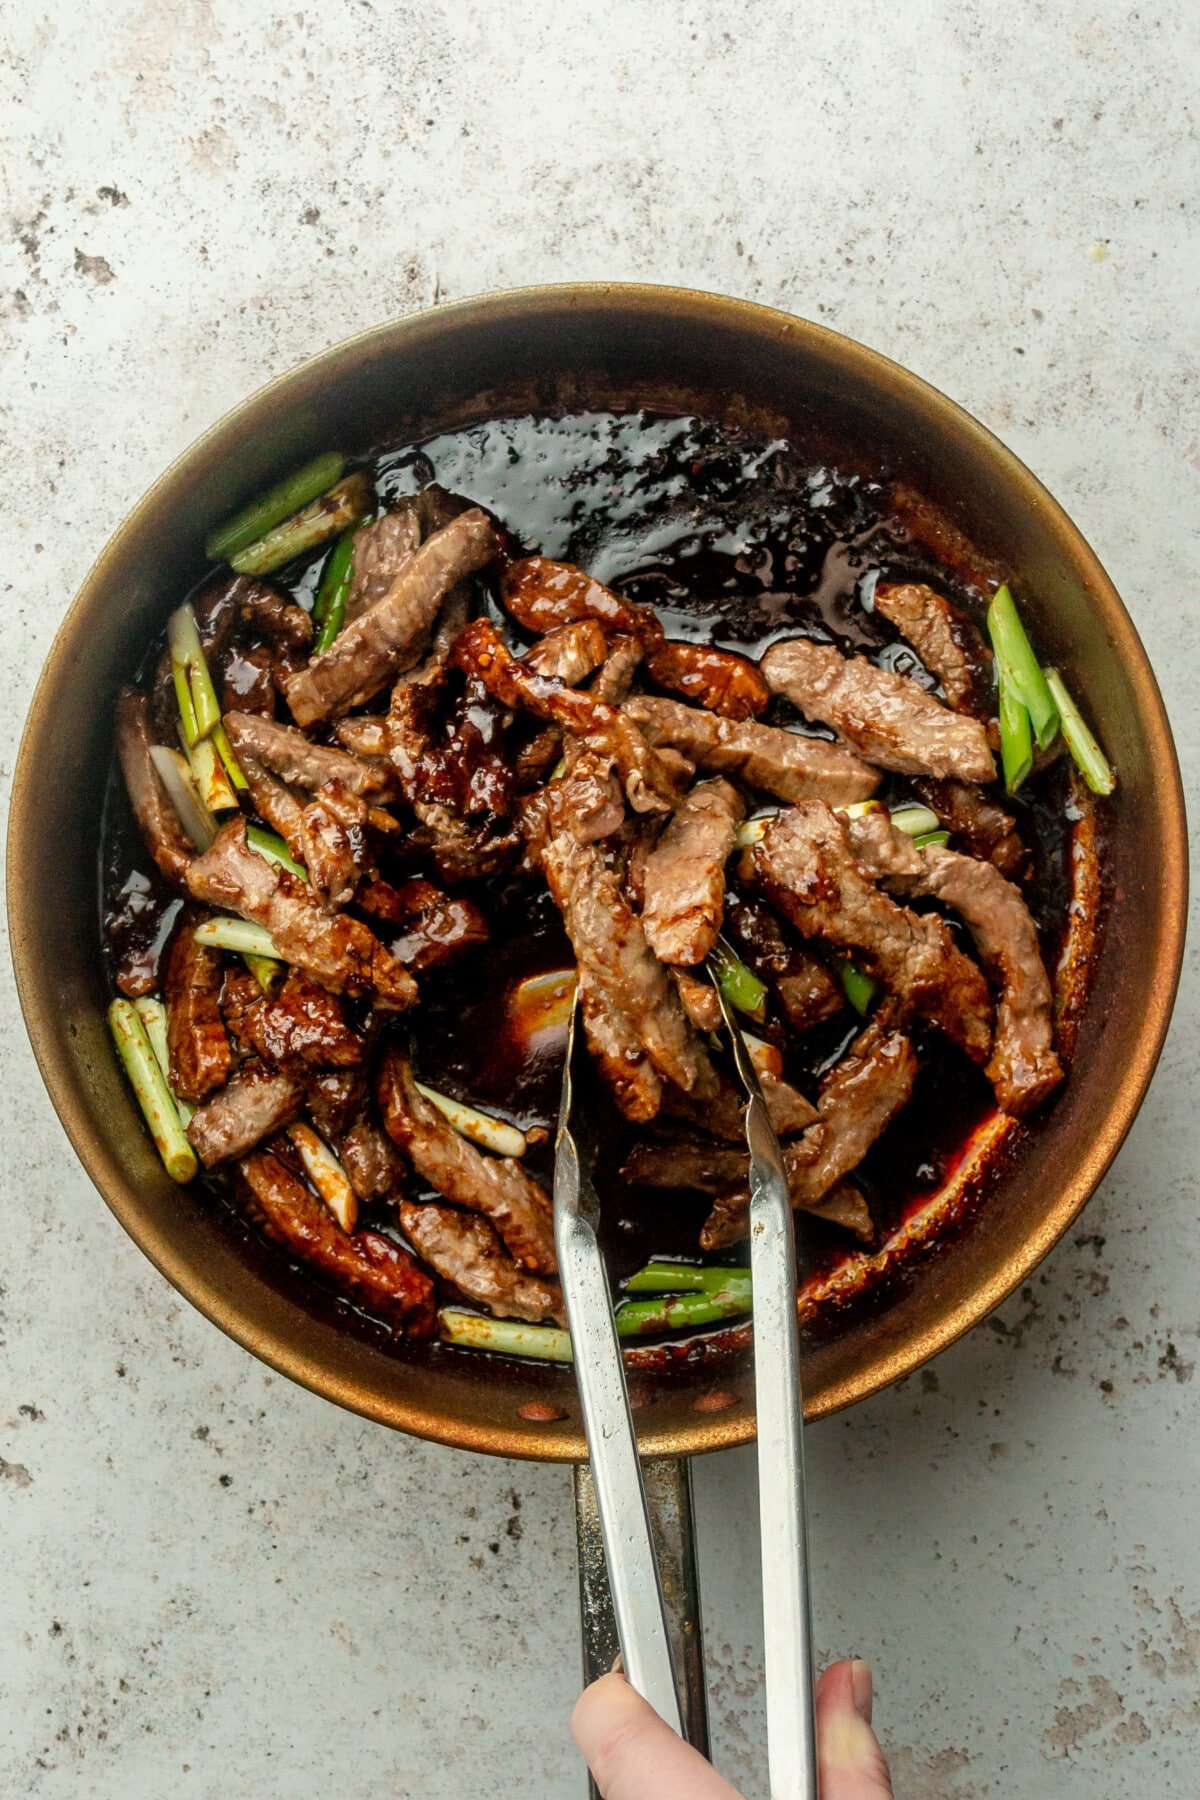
612,1445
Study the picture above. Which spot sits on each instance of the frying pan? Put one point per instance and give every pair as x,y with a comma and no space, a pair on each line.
606,347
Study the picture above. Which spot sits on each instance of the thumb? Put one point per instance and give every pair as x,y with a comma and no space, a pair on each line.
848,1753
633,1755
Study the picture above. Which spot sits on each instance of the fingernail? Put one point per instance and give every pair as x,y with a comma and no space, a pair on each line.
862,1686
618,1667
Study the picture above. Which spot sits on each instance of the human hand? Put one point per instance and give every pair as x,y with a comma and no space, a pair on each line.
634,1756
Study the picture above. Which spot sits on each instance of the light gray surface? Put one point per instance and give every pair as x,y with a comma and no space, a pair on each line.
213,1584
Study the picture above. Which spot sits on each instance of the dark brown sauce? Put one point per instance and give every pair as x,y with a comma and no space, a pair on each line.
736,542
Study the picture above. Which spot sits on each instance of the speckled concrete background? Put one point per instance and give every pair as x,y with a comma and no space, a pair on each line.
214,1584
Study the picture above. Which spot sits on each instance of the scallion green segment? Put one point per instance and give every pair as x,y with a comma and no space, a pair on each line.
279,503
238,935
1016,737
329,608
739,984
685,1312
324,518
858,987
914,821
1019,667
931,837
272,846
149,1084
1090,759
661,1277
199,708
475,1331
153,1014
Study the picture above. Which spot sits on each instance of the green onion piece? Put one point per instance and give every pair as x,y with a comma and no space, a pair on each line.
315,524
279,503
914,821
472,1331
329,609
270,845
232,766
1090,759
492,1134
153,1014
751,830
174,771
930,837
1019,667
1016,740
740,985
149,1084
212,783
660,1277
265,970
858,809
188,728
239,935
858,987
189,667
682,1312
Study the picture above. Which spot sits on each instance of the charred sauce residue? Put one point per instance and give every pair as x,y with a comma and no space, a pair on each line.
736,542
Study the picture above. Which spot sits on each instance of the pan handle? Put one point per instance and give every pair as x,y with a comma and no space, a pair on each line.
669,1496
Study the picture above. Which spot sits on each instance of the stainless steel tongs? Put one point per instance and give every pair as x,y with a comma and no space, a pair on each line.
612,1445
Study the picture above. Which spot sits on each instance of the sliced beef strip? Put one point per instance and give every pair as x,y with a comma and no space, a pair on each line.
699,998
942,636
382,549
230,601
859,1098
464,1249
610,945
301,1027
254,1102
720,680
248,683
763,756
685,874
336,851
380,643
294,759
984,828
334,1099
365,735
437,927
569,653
157,820
650,786
1023,1069
804,987
807,869
722,1116
367,1268
336,951
498,1187
615,679
618,1053
889,718
197,1041
371,1161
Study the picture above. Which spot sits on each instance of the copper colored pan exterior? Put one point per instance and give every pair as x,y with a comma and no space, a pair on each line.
541,349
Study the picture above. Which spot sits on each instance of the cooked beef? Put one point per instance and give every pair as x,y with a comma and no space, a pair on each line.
498,1187
337,951
382,642
858,1099
298,762
465,1249
685,874
889,718
436,927
542,594
1023,1068
157,820
197,1041
334,1099
336,851
597,800
569,653
367,1268
720,680
255,1101
691,1163
985,828
618,1053
763,756
807,869
230,601
722,1115
371,1161
844,1206
930,526
942,636
699,998
365,735
615,679
649,785
248,682
804,987
302,1026
469,767
611,946
382,549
